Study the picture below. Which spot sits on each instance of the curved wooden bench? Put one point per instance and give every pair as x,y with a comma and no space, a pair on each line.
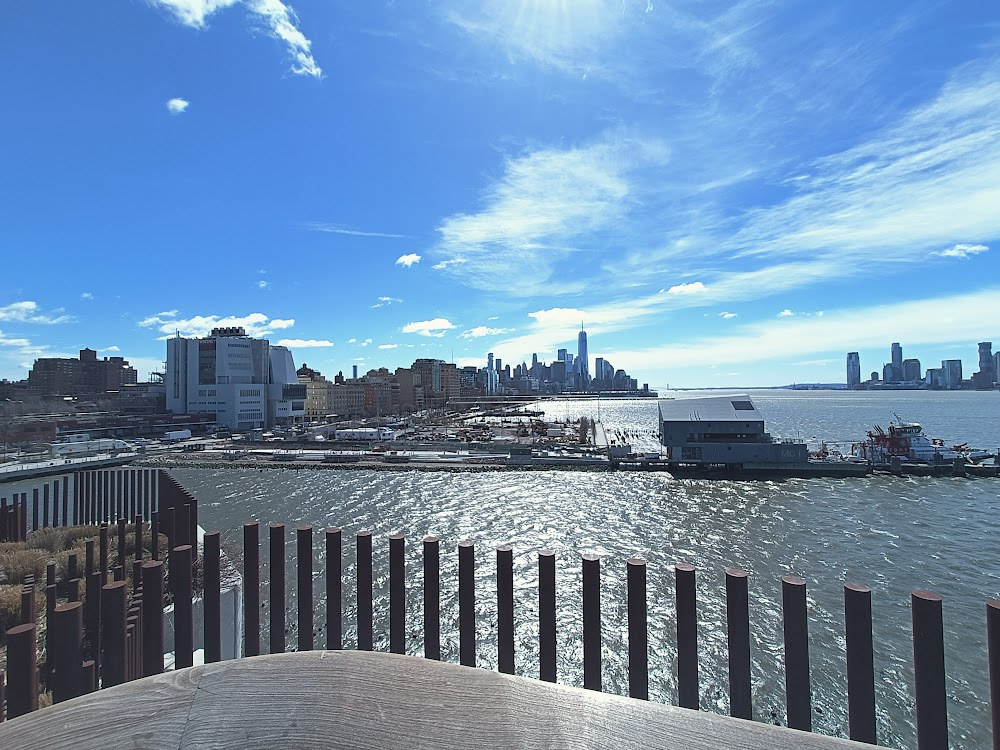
352,699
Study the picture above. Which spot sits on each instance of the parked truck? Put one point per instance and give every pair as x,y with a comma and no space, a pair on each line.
175,436
370,434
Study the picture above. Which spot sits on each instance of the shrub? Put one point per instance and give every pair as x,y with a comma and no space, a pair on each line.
60,538
15,565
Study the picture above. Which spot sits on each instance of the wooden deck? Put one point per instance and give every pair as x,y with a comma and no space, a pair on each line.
351,699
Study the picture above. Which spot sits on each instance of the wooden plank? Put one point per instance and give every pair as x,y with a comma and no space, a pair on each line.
378,700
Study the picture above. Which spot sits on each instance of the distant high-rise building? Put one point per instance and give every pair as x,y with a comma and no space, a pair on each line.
897,356
987,374
911,370
581,349
492,378
951,374
355,376
246,383
853,370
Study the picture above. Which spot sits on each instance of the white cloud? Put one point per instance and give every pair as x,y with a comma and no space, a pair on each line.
263,284
786,313
111,349
86,295
435,327
548,206
407,260
304,343
559,316
176,106
385,302
28,312
387,346
445,263
257,325
352,341
480,331
727,315
963,251
278,19
695,287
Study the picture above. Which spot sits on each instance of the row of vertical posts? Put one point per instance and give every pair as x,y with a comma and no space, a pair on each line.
931,709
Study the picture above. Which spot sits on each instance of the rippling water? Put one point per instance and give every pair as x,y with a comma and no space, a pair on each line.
894,534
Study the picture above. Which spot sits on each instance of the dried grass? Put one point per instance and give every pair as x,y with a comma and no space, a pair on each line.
15,565
62,538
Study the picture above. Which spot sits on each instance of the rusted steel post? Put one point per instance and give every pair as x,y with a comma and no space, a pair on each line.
152,622
860,663
133,625
92,616
122,544
137,533
432,598
397,594
638,646
50,608
73,590
686,602
304,555
467,603
993,644
334,594
364,561
213,598
276,607
113,634
89,669
22,671
738,630
591,621
154,535
167,518
67,658
251,583
547,615
28,613
928,671
72,566
104,545
798,699
505,609
180,575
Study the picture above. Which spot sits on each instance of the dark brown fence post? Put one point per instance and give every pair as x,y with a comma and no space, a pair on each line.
154,533
122,543
50,632
152,621
364,565
113,633
432,598
993,644
505,608
638,646
397,594
180,577
34,509
334,593
251,583
860,663
592,621
104,545
68,658
22,671
276,609
304,568
738,629
547,615
798,699
686,602
213,598
137,533
467,603
928,671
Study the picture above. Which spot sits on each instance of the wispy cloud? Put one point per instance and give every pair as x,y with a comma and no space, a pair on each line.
29,312
276,17
695,287
176,106
963,251
111,349
86,295
445,263
256,325
387,346
548,205
263,284
480,331
341,229
385,302
435,328
727,315
304,343
407,260
786,313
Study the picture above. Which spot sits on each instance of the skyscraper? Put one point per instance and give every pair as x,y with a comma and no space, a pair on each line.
853,370
897,362
581,349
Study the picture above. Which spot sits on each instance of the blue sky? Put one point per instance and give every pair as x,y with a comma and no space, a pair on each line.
726,194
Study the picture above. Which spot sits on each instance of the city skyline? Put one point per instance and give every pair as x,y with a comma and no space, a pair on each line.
728,196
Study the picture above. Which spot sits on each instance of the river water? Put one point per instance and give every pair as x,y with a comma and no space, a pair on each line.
894,534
